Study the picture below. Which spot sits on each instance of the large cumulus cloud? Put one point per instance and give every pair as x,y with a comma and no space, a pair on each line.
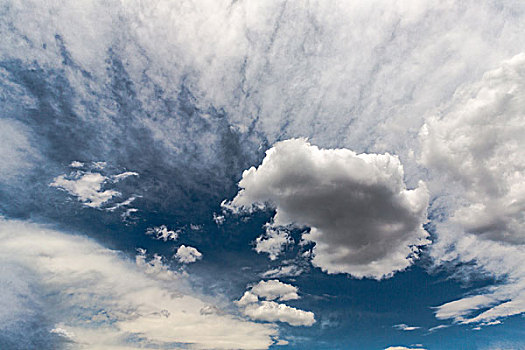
475,150
478,142
363,219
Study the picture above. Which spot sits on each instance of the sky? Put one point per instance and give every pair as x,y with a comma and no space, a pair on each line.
262,174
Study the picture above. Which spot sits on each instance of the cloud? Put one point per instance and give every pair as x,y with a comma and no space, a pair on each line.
76,164
363,219
404,327
496,259
273,241
402,348
475,151
438,327
478,143
218,219
70,286
271,311
87,186
275,289
187,255
16,152
283,271
163,233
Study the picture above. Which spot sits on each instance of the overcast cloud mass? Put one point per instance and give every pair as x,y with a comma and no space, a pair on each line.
212,174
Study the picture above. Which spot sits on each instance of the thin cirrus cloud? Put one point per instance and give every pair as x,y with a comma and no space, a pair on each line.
105,300
405,327
363,219
478,144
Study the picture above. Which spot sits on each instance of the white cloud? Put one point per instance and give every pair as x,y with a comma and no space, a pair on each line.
16,152
478,142
270,311
283,271
88,187
404,327
273,241
187,255
363,219
162,232
219,219
402,348
101,300
438,327
122,176
275,289
246,299
475,150
76,164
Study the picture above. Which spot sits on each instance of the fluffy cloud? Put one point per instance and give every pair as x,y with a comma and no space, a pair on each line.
187,255
402,348
363,219
87,186
273,241
162,232
477,143
99,299
275,289
271,311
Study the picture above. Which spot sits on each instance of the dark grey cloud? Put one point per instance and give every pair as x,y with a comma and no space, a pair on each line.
363,219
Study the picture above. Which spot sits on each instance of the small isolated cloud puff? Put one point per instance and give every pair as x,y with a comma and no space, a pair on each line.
275,289
187,255
271,311
87,186
404,327
163,233
402,348
273,241
99,299
363,219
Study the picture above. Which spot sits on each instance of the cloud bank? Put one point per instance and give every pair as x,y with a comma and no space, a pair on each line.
475,150
363,219
96,298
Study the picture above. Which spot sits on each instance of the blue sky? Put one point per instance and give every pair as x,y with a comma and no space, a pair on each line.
255,175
